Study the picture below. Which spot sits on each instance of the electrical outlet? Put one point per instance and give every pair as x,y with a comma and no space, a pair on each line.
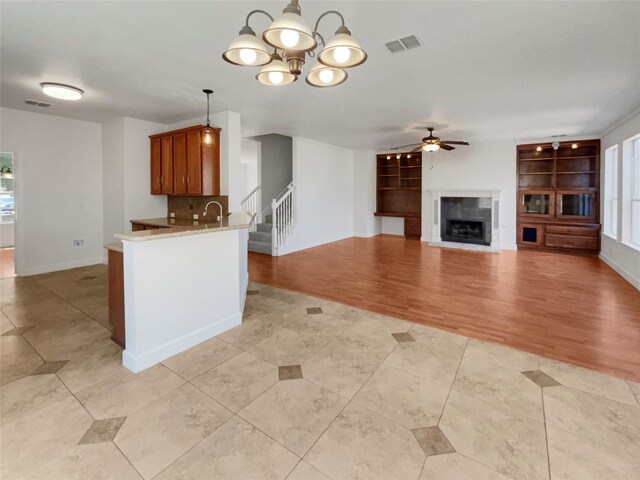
78,243
195,216
172,215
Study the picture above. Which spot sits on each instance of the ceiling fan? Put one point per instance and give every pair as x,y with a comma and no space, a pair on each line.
431,144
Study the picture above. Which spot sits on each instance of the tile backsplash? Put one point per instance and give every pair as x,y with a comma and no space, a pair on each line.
185,207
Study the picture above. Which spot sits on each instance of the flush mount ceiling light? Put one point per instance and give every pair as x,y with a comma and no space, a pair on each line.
292,40
61,91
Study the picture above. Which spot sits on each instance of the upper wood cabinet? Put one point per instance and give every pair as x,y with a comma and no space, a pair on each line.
182,165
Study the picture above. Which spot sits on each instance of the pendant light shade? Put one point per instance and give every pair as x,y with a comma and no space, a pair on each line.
323,76
247,50
342,51
276,73
207,132
289,31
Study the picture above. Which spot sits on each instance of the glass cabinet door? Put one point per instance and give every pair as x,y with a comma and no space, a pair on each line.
576,205
536,204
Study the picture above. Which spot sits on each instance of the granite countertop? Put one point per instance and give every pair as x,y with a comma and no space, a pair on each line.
175,227
115,246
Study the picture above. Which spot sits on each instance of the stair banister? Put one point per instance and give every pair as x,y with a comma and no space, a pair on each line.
251,205
282,211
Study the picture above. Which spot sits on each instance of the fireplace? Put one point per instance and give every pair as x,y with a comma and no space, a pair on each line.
466,220
467,231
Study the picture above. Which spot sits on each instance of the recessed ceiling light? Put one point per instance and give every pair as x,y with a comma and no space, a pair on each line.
61,91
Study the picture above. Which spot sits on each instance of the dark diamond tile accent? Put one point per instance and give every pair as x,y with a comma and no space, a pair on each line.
253,292
403,337
88,277
49,367
290,372
541,379
16,331
102,431
314,310
433,441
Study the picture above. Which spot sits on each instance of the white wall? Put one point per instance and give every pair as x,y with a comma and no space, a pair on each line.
7,234
276,165
323,176
113,179
58,189
365,223
250,159
392,225
622,258
488,165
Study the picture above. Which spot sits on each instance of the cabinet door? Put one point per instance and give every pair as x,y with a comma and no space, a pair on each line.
576,204
156,166
180,163
194,164
531,235
211,166
167,165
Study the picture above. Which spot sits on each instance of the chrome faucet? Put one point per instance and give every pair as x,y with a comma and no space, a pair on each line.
206,207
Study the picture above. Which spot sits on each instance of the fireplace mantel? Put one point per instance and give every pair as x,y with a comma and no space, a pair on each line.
436,238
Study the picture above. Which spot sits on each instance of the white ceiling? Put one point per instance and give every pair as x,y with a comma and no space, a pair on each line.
487,69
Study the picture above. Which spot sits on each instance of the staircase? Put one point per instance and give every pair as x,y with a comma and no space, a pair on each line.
265,237
260,239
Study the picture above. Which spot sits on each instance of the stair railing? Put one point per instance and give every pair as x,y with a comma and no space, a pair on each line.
283,219
251,205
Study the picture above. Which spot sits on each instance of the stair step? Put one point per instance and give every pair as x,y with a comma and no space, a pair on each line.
261,236
268,218
265,227
259,247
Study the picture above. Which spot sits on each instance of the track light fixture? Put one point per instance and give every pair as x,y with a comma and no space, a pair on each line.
292,41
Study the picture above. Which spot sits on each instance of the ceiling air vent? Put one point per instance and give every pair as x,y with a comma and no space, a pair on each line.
37,104
402,44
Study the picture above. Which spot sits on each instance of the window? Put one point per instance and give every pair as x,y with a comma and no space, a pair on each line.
635,193
610,214
6,187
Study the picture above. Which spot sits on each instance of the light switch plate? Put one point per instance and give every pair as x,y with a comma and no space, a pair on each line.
172,215
195,216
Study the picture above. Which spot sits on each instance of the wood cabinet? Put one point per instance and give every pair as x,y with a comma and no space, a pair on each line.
116,296
399,189
558,196
181,164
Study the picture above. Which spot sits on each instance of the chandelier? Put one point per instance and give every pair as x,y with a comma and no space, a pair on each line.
292,40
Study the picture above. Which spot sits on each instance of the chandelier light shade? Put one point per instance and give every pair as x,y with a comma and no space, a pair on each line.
247,50
289,31
276,73
323,76
342,51
292,40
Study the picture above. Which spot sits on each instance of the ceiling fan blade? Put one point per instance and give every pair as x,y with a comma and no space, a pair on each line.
454,142
405,146
417,149
444,146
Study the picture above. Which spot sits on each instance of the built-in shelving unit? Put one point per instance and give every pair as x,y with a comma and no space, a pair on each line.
399,189
558,191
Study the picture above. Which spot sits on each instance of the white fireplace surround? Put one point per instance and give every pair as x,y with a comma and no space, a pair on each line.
436,239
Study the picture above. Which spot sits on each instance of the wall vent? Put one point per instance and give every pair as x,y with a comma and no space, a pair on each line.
37,104
401,44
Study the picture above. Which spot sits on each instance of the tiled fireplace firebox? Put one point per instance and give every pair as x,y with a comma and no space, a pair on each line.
466,219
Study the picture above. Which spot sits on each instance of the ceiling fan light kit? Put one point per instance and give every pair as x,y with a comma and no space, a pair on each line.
432,144
292,41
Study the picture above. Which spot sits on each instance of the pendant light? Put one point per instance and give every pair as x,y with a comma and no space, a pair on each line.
247,50
276,73
322,76
289,31
342,51
207,132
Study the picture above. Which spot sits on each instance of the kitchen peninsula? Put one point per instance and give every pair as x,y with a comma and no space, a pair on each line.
183,283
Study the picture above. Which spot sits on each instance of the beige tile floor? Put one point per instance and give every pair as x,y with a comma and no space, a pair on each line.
304,389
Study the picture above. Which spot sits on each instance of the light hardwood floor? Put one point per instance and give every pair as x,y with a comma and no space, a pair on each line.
570,308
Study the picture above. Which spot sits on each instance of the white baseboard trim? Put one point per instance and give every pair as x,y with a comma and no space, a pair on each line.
136,362
620,271
60,266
